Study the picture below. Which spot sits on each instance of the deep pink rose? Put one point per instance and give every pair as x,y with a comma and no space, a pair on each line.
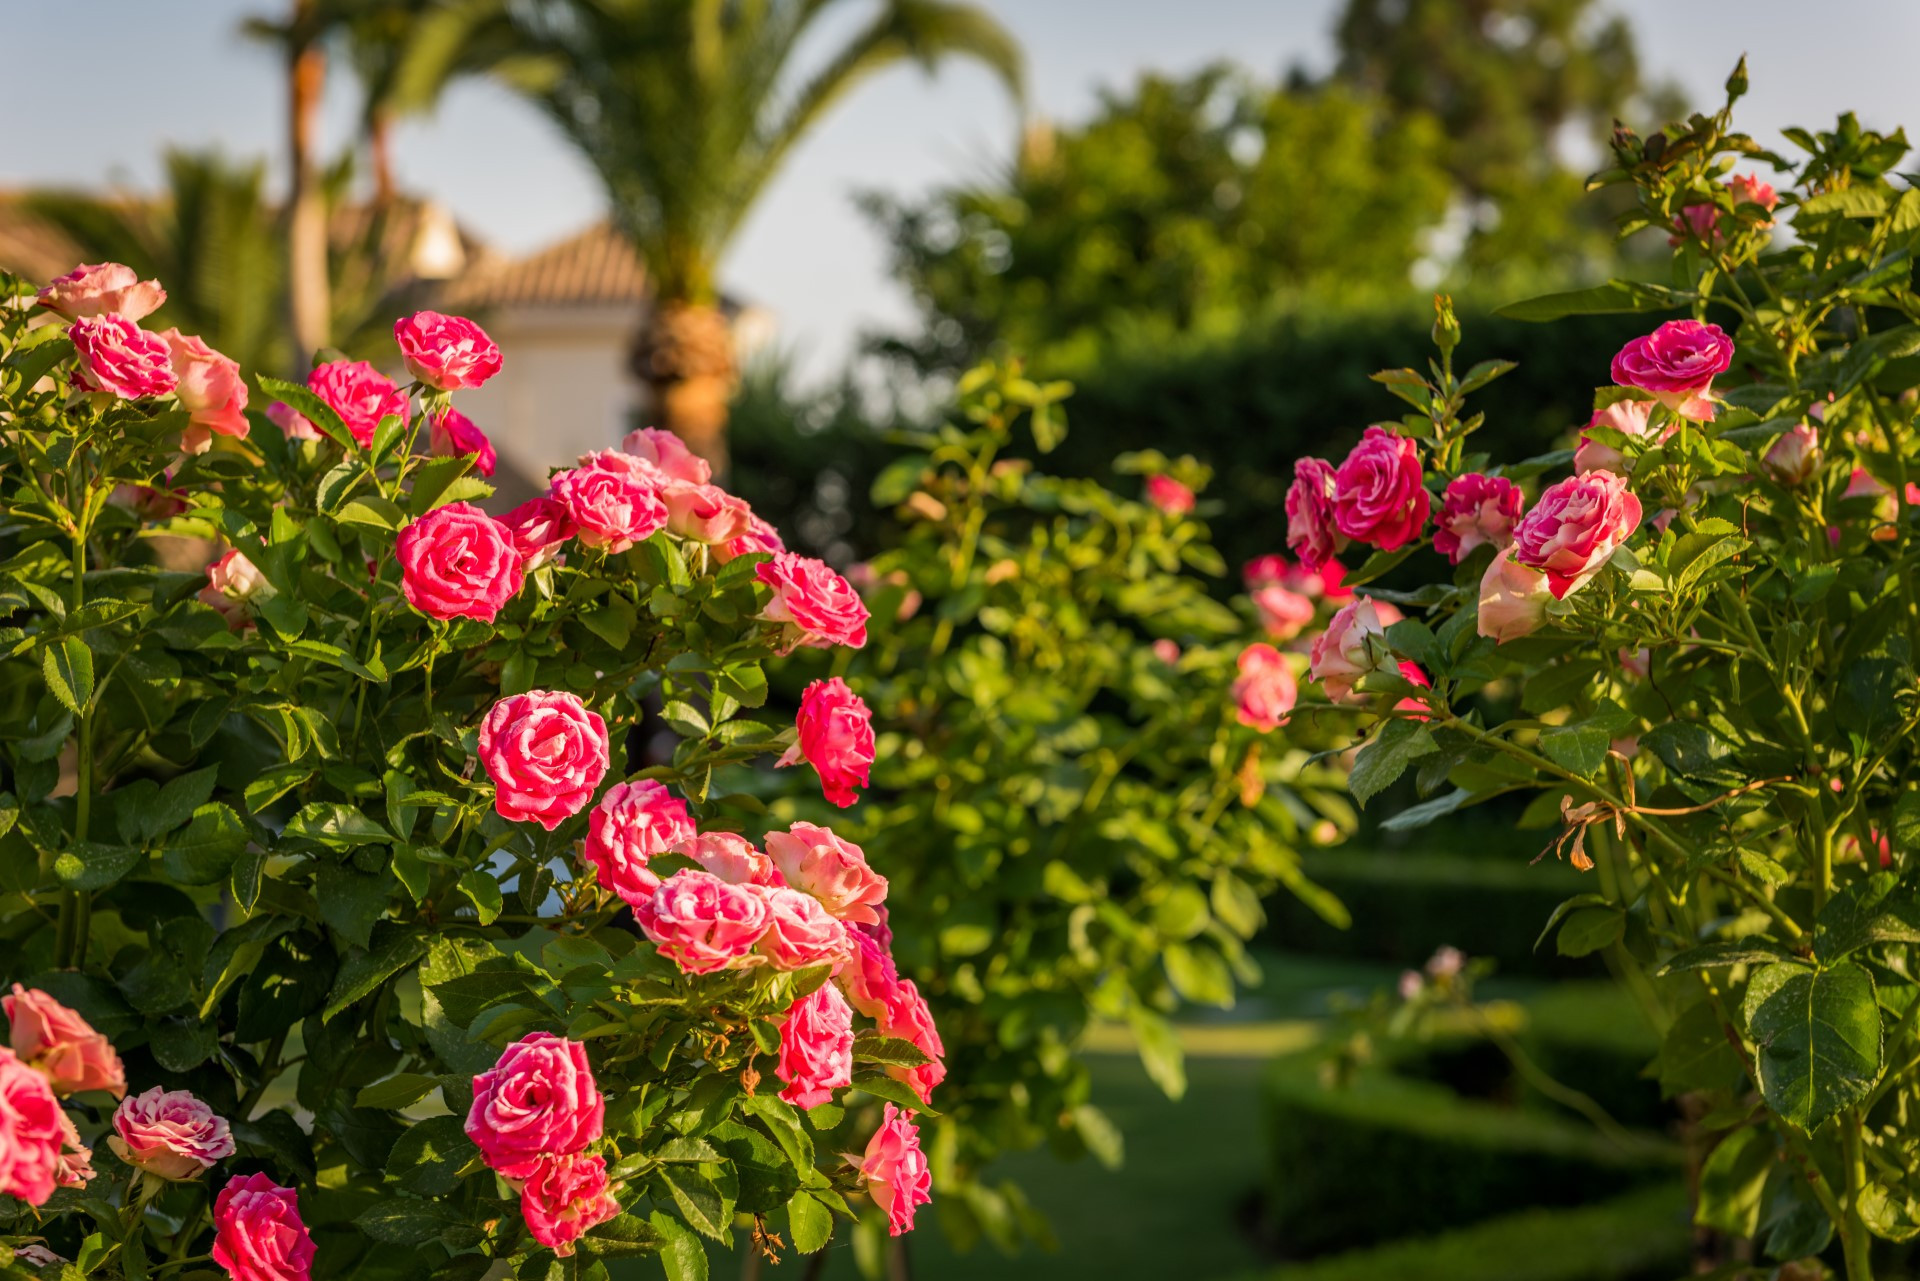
546,753
1312,533
632,824
731,857
360,394
702,924
820,608
1284,613
868,975
800,932
451,434
448,352
1266,689
834,871
1513,600
611,509
1169,495
835,736
458,562
564,1197
816,1047
1701,221
170,1134
1677,363
896,1171
706,513
1378,497
103,289
1575,526
907,1017
1628,417
539,1100
258,1234
539,527
56,1040
1477,510
760,537
293,424
1353,645
233,584
210,390
668,455
1795,457
31,1132
118,358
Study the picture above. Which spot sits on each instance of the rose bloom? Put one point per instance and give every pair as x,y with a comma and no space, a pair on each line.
816,1047
1477,510
761,538
170,1134
1284,613
868,976
74,1169
731,857
1749,189
702,924
1378,497
458,562
538,528
36,1255
668,454
800,932
1169,495
258,1234
1575,526
293,424
210,390
1353,645
1312,533
898,1178
1626,416
120,359
1266,690
233,583
907,1017
632,823
612,510
1795,457
564,1197
835,736
31,1131
1167,651
360,394
56,1040
447,352
102,289
706,513
1677,363
834,871
1701,221
818,605
546,753
1513,600
539,1100
453,435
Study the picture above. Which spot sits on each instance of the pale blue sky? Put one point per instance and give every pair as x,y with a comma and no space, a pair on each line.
120,79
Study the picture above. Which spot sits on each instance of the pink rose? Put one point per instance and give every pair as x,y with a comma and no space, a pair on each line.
564,1197
1169,495
56,1040
1284,614
731,857
118,358
1312,532
816,1048
907,1018
293,424
835,735
453,435
1575,526
1353,645
458,562
668,454
1629,417
1677,363
834,871
632,823
546,753
360,394
612,510
800,932
258,1234
170,1134
1167,651
1477,510
1266,690
761,538
1795,457
868,975
1748,189
706,513
538,528
1701,221
898,1178
103,289
702,924
447,352
233,584
820,607
1378,497
36,1255
74,1169
30,1132
210,390
539,1100
1513,600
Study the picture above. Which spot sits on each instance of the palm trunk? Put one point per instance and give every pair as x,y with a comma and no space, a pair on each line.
684,354
380,157
308,304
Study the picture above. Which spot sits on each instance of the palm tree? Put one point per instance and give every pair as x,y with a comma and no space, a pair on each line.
687,109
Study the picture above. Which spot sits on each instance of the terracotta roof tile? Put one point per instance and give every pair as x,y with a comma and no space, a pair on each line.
597,266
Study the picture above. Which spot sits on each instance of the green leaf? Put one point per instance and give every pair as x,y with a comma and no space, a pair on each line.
335,825
274,783
1817,1034
1160,1051
1560,912
898,479
1614,297
314,409
698,1198
407,1221
810,1223
871,1047
1695,1054
1730,1182
1588,929
179,800
204,852
93,866
68,666
1579,748
1386,756
372,512
1877,909
352,900
681,1253
365,971
396,1092
1711,956
481,890
430,1156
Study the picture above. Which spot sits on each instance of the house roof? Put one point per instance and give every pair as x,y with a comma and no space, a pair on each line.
29,247
597,267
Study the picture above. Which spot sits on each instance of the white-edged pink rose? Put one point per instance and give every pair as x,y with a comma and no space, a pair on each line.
702,924
667,454
1513,600
1575,526
170,1134
835,871
1353,645
102,289
632,824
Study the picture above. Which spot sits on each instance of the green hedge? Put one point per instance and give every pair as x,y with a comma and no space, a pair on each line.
1643,1234
1595,1037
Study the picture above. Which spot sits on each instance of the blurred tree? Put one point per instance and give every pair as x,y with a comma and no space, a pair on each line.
300,37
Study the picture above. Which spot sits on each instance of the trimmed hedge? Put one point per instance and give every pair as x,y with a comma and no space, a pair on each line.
1596,1038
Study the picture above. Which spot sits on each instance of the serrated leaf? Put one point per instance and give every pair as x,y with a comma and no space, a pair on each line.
1386,756
1817,1039
204,851
67,665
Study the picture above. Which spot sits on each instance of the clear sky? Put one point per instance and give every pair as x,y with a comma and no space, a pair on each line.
118,80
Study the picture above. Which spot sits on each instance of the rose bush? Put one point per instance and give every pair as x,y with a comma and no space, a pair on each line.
347,930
